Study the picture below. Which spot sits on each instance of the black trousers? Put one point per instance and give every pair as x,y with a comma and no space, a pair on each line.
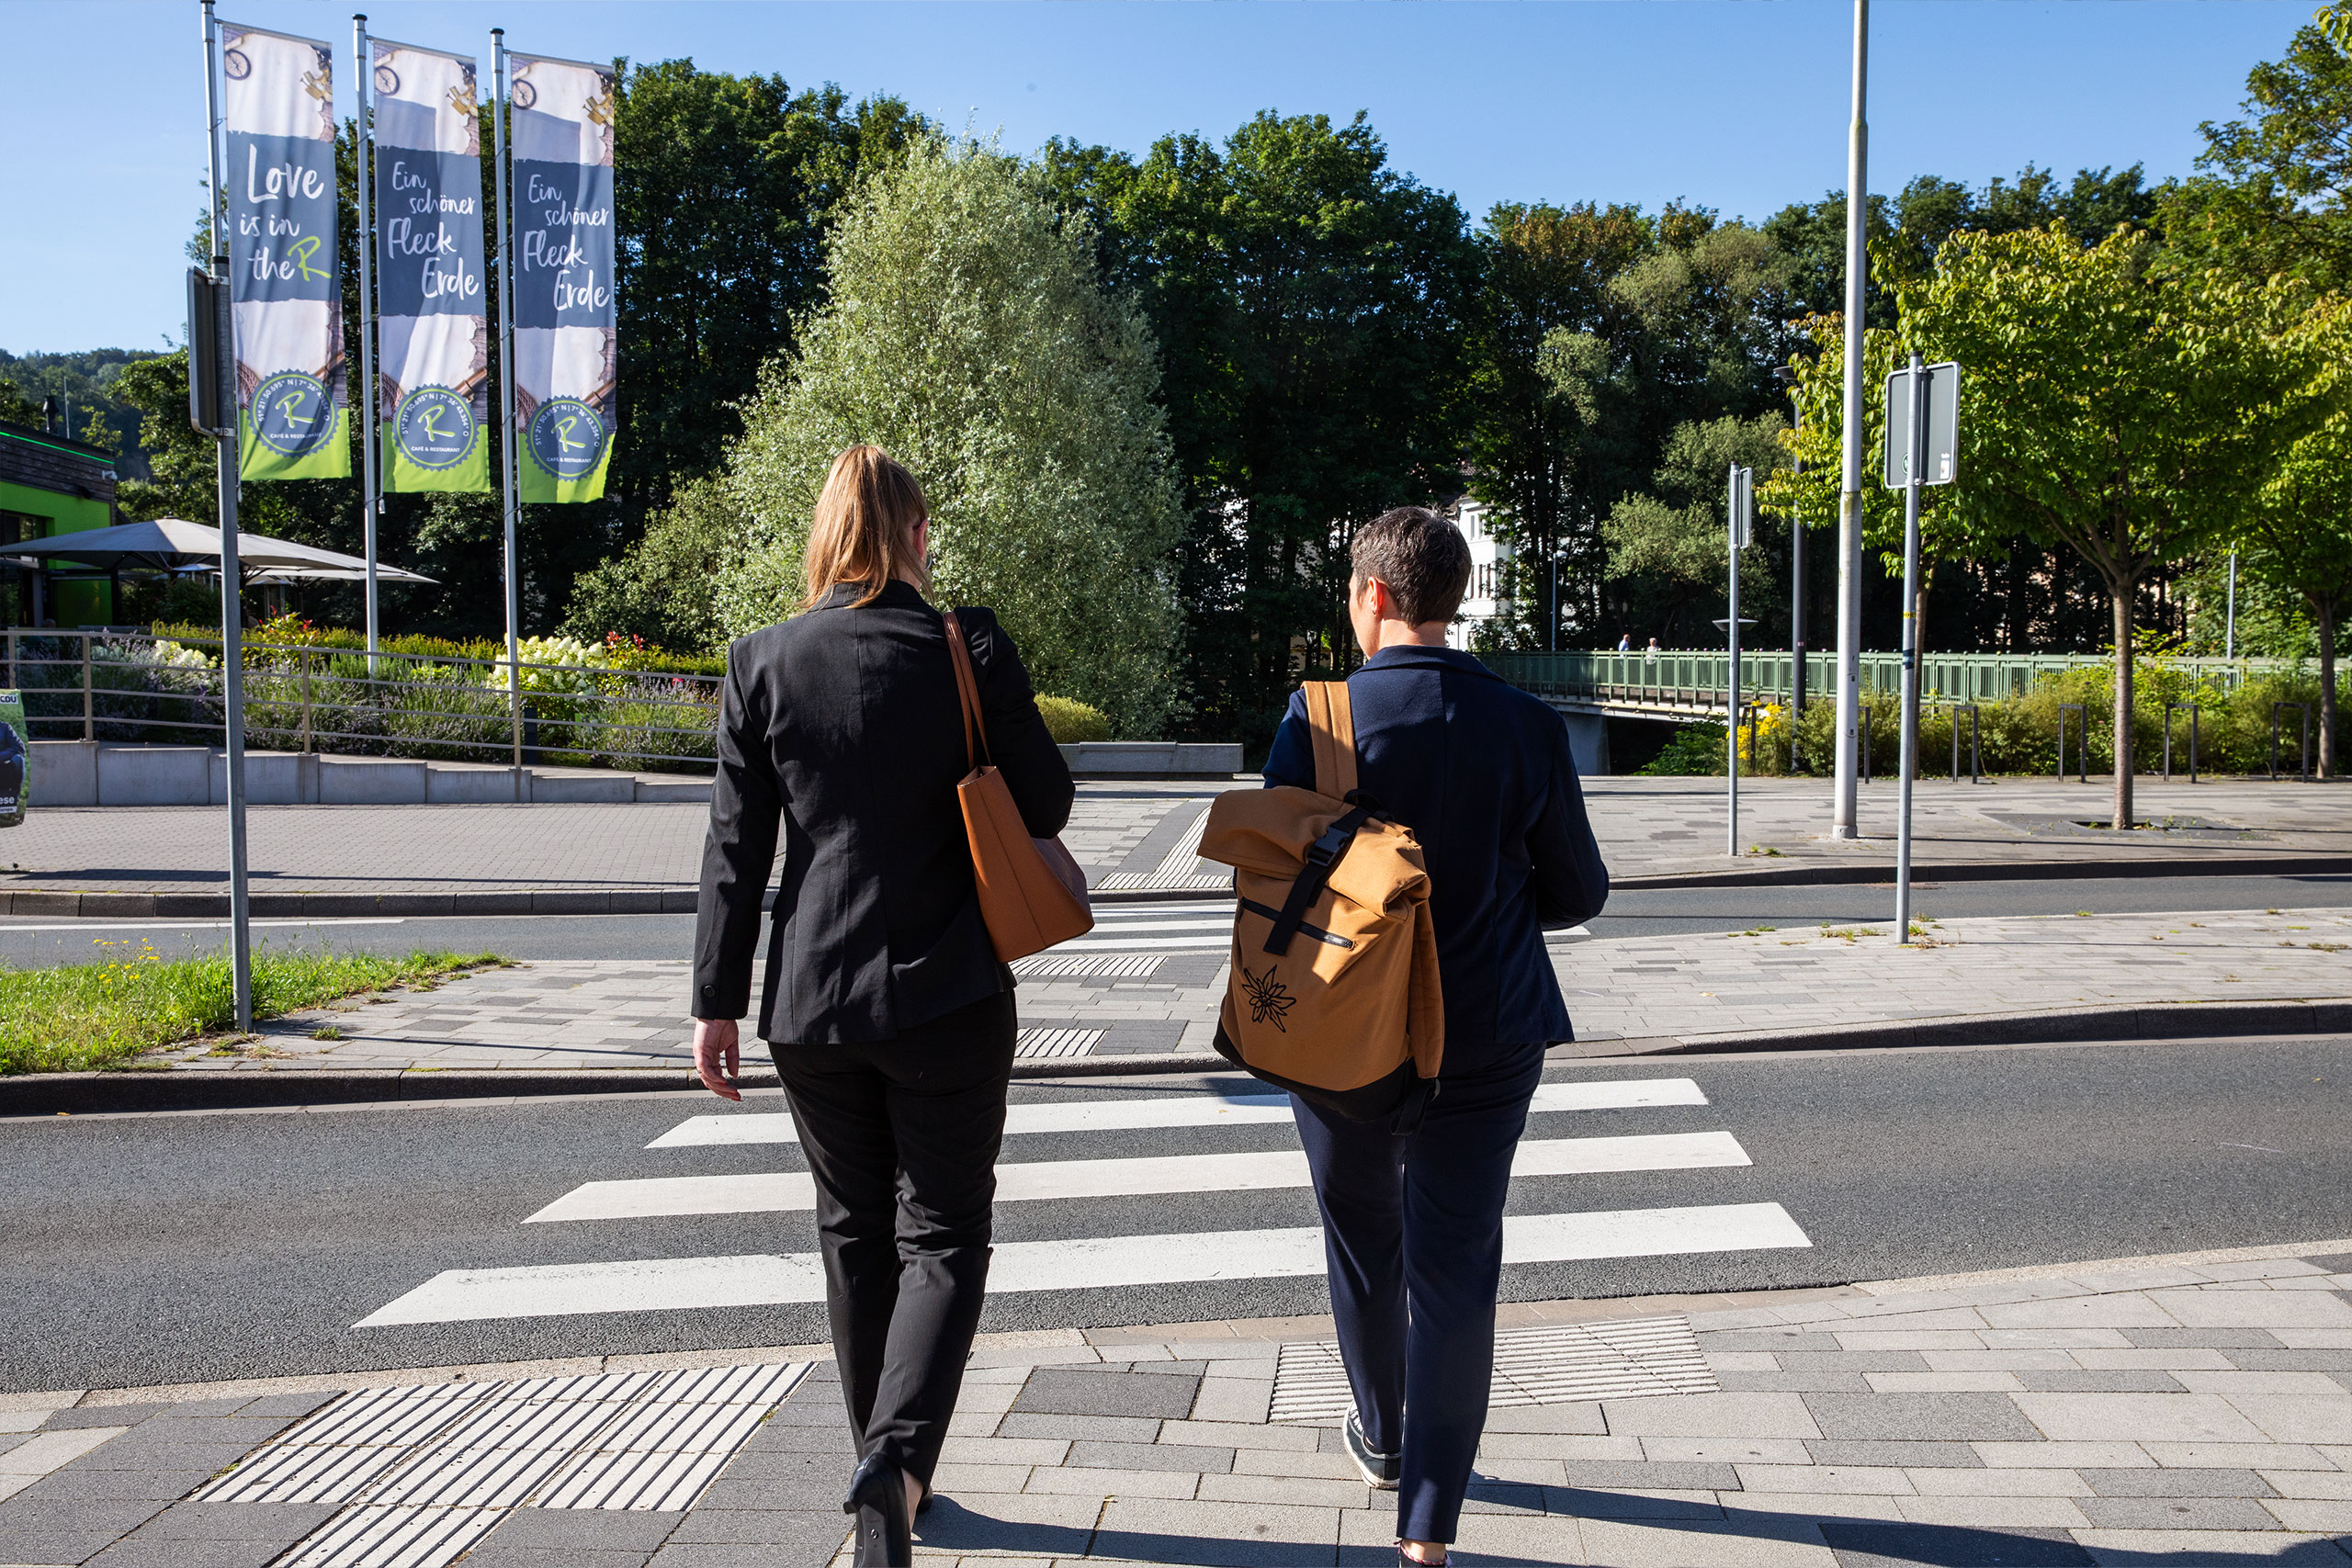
901,1137
1413,1240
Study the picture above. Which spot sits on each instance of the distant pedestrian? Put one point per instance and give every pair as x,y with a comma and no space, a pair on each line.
1653,650
1412,1222
1624,642
889,1015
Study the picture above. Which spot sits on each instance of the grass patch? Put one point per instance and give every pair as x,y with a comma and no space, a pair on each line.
85,1017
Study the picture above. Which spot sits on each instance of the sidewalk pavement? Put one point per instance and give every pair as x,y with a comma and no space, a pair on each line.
1133,837
2186,1412
1981,980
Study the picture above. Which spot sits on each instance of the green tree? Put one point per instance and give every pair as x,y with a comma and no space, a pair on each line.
966,333
2126,412
2278,189
1669,543
1312,306
2297,538
664,588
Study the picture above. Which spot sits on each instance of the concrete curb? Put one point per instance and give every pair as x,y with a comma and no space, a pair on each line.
1992,871
681,900
48,1094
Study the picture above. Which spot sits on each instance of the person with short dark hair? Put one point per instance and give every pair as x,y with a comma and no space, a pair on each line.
1412,1224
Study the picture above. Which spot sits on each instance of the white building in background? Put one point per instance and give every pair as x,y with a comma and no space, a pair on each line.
1488,557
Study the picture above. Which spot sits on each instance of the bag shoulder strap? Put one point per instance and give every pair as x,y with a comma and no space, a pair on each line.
967,693
1330,723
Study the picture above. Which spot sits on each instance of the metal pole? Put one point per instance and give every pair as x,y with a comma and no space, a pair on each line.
370,502
1731,730
1796,598
506,454
2229,618
1914,463
1849,497
232,651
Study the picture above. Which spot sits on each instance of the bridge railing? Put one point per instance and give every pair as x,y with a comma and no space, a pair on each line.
1699,680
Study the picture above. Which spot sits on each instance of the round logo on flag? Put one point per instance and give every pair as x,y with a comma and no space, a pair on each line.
523,94
566,438
388,80
433,428
235,65
292,413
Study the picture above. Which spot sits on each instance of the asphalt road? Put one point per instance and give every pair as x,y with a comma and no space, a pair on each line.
146,1249
1645,912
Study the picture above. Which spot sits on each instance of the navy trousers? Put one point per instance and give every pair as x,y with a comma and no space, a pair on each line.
1413,1239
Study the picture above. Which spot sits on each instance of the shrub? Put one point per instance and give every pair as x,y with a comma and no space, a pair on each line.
1070,721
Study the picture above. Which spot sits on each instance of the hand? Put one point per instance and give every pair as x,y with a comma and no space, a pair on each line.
719,1056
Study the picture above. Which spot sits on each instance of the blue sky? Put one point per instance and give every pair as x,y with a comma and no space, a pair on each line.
1741,106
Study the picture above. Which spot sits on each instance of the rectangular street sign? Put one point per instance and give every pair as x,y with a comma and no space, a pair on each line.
1942,401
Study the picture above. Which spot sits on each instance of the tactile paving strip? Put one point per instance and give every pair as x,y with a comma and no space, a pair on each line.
1621,1359
424,1473
1114,965
1056,1041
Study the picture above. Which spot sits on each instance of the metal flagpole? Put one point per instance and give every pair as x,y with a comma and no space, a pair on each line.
1914,464
506,387
2229,618
1849,497
233,649
1796,600
370,502
1731,626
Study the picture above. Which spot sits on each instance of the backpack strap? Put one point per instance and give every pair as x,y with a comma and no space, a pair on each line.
1330,724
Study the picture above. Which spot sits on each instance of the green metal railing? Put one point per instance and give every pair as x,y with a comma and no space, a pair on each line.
1700,681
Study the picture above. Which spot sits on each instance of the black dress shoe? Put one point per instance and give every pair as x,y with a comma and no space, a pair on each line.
1381,1471
877,1495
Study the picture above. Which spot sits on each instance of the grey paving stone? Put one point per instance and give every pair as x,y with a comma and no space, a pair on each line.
2333,1263
1792,1382
14,1439
759,1526
2201,1338
2182,1483
1853,1361
285,1406
2127,1380
808,1548
140,1554
75,1484
1773,1340
827,1413
41,1550
605,1529
792,1470
107,1415
286,1522
128,1452
833,1438
1926,1455
2175,1513
1858,1543
1069,1391
489,1554
192,1408
1590,1502
761,1492
1966,1418
2304,1361
1503,1497
1151,1456
75,1516
1080,1428
1666,1476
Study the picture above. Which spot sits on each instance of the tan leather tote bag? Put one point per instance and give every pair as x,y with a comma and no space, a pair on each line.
1033,893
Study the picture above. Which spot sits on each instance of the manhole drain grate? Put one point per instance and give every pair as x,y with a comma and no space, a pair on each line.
1621,1359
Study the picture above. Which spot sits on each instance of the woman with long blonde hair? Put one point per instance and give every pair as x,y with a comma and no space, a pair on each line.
889,1015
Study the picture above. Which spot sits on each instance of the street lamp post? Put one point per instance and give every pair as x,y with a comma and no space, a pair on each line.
1849,496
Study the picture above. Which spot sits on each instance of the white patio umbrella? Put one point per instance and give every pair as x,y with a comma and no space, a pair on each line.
173,543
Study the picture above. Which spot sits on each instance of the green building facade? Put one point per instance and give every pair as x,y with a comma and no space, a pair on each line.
50,485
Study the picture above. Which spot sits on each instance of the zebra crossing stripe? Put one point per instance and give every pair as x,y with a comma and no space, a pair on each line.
1048,1180
1179,1111
671,1284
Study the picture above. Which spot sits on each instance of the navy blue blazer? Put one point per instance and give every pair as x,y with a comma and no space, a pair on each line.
1481,773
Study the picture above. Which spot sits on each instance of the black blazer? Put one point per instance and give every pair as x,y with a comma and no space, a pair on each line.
1480,771
842,725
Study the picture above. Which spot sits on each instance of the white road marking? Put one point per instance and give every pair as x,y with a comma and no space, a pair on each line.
673,1284
1049,1181
206,925
1180,1111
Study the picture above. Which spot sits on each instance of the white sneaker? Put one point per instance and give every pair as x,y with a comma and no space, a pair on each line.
1381,1471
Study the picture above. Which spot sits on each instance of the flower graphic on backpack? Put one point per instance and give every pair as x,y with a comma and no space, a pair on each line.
1269,997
